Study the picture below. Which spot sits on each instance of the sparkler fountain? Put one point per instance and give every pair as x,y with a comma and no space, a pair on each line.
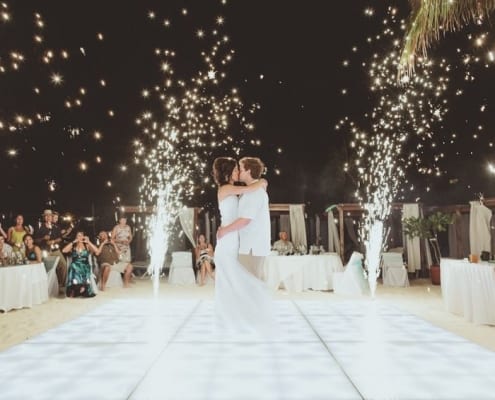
405,111
197,124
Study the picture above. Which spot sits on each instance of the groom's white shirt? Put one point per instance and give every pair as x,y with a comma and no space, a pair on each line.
254,238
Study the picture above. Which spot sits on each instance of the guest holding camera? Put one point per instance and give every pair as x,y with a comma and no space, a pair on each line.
79,272
108,258
204,259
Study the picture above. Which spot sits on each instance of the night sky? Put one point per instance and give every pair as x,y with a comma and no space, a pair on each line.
288,59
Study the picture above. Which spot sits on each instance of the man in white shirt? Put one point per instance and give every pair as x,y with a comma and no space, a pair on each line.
253,222
283,246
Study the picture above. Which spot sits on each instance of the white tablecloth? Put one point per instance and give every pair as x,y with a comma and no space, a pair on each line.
468,290
23,286
298,273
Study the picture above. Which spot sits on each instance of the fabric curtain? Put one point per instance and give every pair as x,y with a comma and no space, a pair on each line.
298,225
351,231
455,237
333,235
284,226
186,218
479,227
207,227
412,245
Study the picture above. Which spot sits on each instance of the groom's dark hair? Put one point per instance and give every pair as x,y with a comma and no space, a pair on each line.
253,164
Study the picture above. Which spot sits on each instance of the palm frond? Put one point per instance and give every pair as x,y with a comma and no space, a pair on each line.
431,18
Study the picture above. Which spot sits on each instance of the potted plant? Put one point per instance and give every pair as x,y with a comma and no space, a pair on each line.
428,228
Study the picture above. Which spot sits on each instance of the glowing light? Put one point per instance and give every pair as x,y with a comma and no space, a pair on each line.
83,166
57,79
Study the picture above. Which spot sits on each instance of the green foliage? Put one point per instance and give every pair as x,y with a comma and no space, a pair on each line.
428,228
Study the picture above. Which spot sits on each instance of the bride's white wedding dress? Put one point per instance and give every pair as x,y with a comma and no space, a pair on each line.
243,303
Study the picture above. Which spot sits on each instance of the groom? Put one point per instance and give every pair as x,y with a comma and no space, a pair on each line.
253,222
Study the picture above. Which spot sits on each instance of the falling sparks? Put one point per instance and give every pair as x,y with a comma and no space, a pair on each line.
406,114
198,120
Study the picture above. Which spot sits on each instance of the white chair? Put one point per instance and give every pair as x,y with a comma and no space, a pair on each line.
51,263
181,269
393,270
114,278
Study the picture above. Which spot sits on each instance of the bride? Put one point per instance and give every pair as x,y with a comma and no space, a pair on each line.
242,301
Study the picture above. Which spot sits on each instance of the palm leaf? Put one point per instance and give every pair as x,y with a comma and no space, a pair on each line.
431,18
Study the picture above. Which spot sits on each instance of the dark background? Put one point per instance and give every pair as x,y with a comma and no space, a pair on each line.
298,47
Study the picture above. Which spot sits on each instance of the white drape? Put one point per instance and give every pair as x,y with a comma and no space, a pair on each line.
333,235
479,227
297,225
412,245
186,218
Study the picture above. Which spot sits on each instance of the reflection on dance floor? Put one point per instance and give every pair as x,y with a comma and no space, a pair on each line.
163,349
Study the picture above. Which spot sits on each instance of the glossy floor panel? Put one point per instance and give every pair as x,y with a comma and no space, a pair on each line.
170,349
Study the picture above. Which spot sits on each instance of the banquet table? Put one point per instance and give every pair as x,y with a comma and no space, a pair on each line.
23,286
299,273
468,290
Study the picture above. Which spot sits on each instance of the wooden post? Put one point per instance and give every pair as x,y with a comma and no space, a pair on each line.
341,231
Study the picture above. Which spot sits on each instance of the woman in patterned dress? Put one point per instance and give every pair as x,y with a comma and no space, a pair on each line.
79,272
122,236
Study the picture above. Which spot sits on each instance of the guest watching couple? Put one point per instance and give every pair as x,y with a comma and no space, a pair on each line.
204,259
15,234
122,235
49,238
63,232
108,259
79,272
32,252
5,251
2,232
283,246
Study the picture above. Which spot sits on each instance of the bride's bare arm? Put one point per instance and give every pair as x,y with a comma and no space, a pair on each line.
232,190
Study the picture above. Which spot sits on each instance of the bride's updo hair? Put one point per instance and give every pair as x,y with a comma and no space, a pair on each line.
222,170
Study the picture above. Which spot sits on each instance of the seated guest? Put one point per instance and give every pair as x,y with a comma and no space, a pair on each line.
15,234
2,232
5,251
49,238
33,252
108,258
283,246
79,271
204,259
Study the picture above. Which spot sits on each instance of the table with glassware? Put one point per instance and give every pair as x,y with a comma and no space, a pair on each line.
468,290
22,286
301,272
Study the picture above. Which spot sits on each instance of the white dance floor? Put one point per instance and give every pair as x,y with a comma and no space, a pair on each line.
167,349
